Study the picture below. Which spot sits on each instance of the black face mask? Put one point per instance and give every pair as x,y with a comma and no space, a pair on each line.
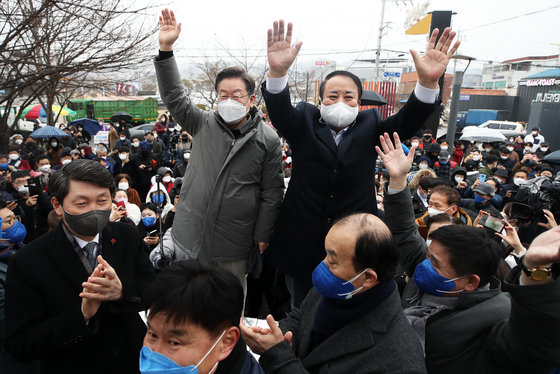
185,138
87,224
427,137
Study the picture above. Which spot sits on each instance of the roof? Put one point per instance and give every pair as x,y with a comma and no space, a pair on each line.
485,92
549,73
531,58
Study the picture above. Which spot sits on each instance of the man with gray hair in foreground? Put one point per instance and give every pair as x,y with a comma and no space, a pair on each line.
351,321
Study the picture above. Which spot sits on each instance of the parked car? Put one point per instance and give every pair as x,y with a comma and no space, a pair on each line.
507,128
140,130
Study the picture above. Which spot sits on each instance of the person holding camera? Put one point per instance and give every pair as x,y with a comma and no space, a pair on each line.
454,302
33,205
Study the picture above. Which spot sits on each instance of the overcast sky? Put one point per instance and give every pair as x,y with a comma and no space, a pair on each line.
330,28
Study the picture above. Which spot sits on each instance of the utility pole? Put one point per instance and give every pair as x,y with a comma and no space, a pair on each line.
379,37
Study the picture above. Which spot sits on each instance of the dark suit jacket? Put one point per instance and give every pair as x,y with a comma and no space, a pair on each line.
382,341
328,181
43,309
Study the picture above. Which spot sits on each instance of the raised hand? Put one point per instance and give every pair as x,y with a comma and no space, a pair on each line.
394,160
544,250
433,63
169,30
281,54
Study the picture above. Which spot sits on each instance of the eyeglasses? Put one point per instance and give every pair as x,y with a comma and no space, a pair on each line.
11,220
234,97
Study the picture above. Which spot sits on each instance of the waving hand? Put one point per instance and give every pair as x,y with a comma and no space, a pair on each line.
281,54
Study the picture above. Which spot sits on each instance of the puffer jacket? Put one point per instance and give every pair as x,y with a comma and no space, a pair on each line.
232,188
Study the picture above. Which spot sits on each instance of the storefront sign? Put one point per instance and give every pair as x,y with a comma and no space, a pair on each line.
543,82
551,97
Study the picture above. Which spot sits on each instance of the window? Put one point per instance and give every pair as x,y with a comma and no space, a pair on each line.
489,85
507,127
493,125
499,84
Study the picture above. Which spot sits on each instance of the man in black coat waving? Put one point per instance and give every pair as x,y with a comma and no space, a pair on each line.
333,155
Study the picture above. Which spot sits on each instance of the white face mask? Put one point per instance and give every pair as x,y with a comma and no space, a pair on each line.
155,136
122,156
66,162
187,155
511,149
54,144
504,157
444,147
519,181
231,111
423,166
339,114
136,144
13,156
488,149
435,212
166,179
528,149
18,141
24,190
45,168
534,133
476,158
414,144
123,138
544,149
459,179
123,186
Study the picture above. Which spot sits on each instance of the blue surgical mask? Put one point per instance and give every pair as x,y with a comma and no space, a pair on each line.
156,363
15,233
149,221
428,280
332,287
445,162
479,199
158,199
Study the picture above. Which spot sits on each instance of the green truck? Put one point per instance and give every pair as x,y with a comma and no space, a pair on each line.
142,109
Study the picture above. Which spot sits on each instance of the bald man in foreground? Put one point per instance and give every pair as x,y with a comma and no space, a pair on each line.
351,321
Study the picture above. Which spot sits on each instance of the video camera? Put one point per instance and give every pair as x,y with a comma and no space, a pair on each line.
538,194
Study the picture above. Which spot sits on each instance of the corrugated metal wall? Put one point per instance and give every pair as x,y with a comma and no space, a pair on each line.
386,89
526,96
547,117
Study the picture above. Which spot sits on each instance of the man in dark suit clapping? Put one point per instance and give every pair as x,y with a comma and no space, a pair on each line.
73,295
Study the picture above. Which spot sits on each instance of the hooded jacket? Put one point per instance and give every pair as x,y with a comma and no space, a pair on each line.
232,188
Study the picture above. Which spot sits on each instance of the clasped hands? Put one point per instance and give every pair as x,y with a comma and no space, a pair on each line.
102,285
260,339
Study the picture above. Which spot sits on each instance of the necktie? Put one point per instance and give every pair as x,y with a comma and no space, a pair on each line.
89,252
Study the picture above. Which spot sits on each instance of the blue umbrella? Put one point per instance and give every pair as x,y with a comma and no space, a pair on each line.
48,132
90,125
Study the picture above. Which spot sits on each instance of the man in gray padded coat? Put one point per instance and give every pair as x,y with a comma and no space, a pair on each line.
233,186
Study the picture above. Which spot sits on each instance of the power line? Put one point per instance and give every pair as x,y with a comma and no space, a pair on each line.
511,18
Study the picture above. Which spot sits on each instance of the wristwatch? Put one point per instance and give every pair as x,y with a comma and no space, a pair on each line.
537,274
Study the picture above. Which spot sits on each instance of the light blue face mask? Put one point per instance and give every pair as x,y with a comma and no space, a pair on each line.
155,363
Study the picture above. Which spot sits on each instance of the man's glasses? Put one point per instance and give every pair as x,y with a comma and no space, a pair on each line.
234,97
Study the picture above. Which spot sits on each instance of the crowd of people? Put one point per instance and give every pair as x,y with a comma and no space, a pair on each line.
132,256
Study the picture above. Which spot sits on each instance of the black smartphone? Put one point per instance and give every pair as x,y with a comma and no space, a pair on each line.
152,234
492,223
